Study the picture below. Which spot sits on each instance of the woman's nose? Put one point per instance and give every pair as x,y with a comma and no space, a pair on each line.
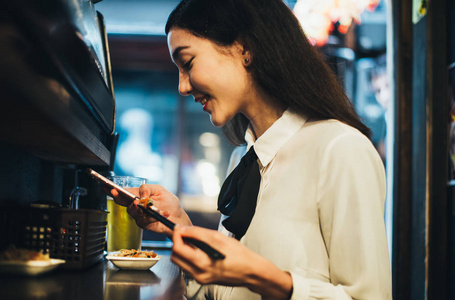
184,84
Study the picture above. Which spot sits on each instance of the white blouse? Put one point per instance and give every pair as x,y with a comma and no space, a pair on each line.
320,212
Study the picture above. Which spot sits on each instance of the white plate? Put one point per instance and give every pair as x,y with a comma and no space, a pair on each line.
133,263
31,267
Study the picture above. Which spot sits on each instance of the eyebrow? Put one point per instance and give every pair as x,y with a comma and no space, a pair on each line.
176,52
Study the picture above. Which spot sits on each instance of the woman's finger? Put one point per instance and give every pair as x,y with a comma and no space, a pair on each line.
142,220
188,251
150,190
133,210
209,236
185,255
120,198
185,265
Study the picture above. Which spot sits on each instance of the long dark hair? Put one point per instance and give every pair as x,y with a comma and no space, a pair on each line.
284,64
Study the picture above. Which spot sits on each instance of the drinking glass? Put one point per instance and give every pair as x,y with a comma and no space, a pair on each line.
122,231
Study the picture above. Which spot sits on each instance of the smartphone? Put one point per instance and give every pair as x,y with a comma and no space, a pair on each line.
149,210
111,184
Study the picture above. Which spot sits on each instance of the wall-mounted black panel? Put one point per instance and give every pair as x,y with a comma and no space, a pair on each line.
56,95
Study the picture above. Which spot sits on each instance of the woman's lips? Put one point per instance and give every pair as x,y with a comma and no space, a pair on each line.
203,100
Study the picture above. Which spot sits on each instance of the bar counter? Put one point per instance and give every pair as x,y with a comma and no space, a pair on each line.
101,281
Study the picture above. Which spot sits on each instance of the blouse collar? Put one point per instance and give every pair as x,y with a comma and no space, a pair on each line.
270,142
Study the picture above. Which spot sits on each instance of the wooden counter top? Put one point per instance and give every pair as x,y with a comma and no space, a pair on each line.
100,281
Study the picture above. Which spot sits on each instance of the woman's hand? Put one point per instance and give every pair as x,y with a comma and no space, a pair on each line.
167,203
241,267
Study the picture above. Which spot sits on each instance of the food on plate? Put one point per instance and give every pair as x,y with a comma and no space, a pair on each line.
18,254
136,253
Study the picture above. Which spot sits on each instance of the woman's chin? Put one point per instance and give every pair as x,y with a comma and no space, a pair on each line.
216,122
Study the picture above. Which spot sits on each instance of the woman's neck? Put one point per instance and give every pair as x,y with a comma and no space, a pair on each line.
262,111
263,118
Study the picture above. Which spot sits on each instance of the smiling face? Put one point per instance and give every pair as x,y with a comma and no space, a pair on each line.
215,76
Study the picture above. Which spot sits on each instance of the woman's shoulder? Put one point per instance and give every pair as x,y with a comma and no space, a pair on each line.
339,141
330,130
323,136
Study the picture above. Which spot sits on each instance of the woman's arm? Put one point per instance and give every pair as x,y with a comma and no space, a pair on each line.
241,267
352,191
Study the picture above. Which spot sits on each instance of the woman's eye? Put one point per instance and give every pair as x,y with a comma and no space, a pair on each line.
187,65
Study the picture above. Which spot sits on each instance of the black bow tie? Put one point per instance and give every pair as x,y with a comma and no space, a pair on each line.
238,195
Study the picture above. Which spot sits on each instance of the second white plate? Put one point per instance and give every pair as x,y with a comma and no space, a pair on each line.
133,263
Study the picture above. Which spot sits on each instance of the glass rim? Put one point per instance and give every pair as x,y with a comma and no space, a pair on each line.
128,178
125,176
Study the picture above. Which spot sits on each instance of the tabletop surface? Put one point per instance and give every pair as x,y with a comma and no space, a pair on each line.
101,281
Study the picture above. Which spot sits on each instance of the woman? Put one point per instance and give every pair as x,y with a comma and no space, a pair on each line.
316,230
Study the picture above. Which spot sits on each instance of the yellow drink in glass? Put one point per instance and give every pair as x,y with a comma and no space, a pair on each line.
122,231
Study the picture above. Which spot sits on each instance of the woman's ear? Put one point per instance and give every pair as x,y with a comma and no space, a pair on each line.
244,52
247,60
